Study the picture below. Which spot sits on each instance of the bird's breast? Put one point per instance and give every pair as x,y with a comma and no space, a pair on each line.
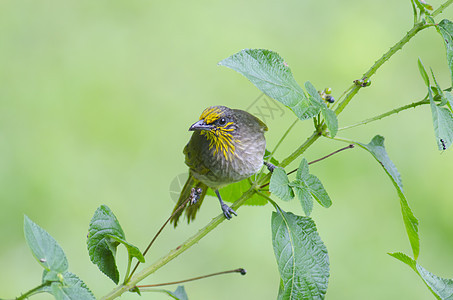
216,165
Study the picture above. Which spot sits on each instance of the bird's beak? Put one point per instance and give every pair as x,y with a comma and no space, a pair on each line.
200,125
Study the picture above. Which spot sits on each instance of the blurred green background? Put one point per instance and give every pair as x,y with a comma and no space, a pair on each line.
96,98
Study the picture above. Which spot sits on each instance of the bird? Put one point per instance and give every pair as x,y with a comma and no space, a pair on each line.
227,145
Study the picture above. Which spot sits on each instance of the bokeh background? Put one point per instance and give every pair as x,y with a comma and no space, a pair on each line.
96,98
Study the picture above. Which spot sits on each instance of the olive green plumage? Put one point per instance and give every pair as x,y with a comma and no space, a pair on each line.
227,145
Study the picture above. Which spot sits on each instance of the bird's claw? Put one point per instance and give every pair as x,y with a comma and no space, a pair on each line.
227,211
269,166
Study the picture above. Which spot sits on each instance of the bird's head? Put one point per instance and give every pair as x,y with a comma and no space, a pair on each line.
219,125
223,127
215,118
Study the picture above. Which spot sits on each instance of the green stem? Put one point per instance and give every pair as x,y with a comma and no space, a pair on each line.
239,270
129,263
345,140
398,46
32,291
441,8
315,135
342,95
263,181
283,138
119,290
389,113
414,8
269,199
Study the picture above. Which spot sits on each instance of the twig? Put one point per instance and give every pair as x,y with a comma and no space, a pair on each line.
398,46
316,160
119,290
157,234
32,291
324,157
387,114
239,270
441,8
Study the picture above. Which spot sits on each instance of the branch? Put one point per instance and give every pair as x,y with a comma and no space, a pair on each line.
398,46
119,290
239,270
441,8
33,291
387,114
128,277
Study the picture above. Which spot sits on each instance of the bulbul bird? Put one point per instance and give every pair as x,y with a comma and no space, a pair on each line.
227,145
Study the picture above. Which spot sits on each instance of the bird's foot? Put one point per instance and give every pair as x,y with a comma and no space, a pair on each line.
269,166
227,211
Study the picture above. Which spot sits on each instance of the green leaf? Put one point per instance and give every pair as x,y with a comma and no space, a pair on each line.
443,123
179,294
377,149
270,74
446,30
449,97
301,256
422,70
232,192
72,288
440,287
44,247
51,276
303,194
331,120
318,191
313,93
440,92
307,185
329,115
303,170
101,247
279,185
132,250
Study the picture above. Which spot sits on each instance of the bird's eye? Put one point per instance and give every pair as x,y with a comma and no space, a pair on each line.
222,121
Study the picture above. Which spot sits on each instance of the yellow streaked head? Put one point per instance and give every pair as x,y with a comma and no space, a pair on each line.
217,124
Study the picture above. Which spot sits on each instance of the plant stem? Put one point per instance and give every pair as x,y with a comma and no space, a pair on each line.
398,46
387,114
283,138
441,8
240,270
312,162
278,145
414,8
32,291
315,135
345,140
337,101
119,290
127,278
324,157
129,263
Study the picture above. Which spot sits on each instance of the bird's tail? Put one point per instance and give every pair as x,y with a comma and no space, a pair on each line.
193,208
